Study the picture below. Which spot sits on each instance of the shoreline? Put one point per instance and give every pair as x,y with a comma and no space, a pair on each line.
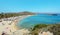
21,18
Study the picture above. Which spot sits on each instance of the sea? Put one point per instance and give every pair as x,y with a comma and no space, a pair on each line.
31,21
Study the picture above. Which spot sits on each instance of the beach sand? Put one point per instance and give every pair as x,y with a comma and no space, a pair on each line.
10,28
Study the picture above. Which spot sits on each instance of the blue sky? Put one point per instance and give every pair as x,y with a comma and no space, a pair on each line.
42,6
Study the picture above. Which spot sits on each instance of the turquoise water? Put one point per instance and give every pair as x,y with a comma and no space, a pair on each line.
39,19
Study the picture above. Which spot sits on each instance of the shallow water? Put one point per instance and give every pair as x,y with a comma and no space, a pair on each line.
39,19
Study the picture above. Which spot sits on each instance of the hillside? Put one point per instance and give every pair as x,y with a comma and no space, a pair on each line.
26,13
6,15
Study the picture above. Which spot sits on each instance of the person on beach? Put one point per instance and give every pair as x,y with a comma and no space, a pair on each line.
3,33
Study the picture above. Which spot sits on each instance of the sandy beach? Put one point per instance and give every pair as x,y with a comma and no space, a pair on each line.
10,26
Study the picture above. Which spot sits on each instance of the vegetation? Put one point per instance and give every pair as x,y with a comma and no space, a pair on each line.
54,28
37,28
6,15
